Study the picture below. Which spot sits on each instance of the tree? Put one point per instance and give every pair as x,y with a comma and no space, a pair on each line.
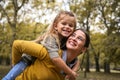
108,9
96,40
11,12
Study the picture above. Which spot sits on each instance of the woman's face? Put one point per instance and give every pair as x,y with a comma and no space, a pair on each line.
76,41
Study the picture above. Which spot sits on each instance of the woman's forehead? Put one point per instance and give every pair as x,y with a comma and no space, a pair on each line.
80,33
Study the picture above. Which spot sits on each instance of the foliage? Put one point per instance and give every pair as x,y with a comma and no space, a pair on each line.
111,47
96,40
24,32
30,31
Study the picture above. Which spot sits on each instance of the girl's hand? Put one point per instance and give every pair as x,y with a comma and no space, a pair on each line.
71,77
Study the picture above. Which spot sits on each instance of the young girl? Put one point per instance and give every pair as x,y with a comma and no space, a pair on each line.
55,39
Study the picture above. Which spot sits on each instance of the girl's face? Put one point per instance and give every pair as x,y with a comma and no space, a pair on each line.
65,26
76,41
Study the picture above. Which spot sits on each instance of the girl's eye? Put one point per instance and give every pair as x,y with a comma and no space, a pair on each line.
70,25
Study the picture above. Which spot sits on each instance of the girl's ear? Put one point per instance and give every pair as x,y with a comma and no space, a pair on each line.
55,26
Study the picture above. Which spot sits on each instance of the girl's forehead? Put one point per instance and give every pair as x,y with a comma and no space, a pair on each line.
68,18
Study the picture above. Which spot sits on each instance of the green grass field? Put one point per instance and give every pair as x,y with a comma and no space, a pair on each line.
99,76
114,75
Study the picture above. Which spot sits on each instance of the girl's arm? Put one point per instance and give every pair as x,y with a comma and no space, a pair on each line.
75,69
76,66
62,65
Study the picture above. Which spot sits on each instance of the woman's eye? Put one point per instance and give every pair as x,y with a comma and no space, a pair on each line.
73,35
80,38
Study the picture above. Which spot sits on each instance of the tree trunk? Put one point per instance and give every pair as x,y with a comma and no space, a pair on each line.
87,67
97,63
106,67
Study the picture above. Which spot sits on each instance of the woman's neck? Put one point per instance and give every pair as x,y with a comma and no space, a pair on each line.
71,56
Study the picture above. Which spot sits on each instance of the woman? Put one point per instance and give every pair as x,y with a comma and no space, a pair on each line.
43,68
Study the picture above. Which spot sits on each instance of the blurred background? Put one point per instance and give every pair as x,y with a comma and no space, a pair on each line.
28,19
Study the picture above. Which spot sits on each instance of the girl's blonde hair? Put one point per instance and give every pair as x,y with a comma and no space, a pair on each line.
51,31
60,17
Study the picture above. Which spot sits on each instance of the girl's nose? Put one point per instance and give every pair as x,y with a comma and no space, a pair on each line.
67,26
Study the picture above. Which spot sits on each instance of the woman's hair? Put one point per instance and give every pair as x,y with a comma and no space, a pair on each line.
87,41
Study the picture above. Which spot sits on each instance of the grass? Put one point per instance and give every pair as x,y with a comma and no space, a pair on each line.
3,71
99,76
114,75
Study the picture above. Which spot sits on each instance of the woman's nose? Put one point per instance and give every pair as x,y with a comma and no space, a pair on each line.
74,38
